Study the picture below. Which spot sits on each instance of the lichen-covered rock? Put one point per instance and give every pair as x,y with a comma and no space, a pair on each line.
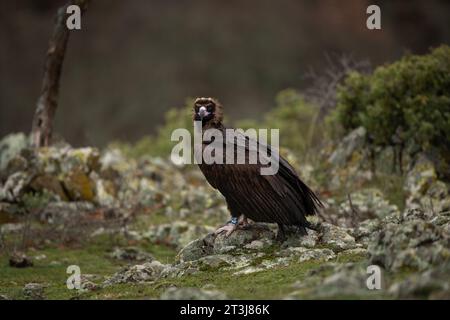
302,254
430,284
34,291
420,177
259,244
105,193
369,203
195,250
146,272
50,183
436,199
423,189
348,280
79,186
10,146
240,238
15,186
334,281
177,234
355,140
413,243
87,282
192,294
308,241
336,238
317,254
220,244
58,212
215,261
364,231
354,252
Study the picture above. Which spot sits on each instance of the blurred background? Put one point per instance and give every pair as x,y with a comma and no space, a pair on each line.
133,60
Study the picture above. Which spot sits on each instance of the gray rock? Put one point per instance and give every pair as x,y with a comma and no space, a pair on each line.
10,146
15,186
353,141
369,203
413,243
308,241
215,261
192,294
34,291
420,177
240,238
177,233
317,254
195,250
337,238
302,254
431,284
221,244
255,245
357,251
146,272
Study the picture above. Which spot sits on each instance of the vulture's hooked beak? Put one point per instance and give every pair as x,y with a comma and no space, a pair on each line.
202,112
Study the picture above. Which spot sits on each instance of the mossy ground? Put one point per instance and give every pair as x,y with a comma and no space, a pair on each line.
93,259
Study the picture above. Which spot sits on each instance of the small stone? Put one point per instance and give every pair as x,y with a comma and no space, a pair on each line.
146,272
10,146
34,291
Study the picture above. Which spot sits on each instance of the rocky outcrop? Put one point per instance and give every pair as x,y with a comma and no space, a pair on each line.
413,241
34,291
147,272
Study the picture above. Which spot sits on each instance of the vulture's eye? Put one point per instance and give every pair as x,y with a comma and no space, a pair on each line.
209,108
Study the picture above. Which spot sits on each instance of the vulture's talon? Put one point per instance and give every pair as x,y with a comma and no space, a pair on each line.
228,229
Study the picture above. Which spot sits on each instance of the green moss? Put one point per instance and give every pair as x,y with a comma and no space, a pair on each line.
269,284
51,271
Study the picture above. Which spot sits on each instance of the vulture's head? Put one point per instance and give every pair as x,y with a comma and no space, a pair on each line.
207,110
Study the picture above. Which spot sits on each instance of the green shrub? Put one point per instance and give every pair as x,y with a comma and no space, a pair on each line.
404,103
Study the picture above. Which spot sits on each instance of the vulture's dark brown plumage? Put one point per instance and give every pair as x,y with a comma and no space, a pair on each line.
281,198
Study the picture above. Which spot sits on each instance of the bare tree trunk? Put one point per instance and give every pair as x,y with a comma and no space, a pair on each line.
42,126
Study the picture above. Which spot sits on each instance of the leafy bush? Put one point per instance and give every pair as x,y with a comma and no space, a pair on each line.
406,103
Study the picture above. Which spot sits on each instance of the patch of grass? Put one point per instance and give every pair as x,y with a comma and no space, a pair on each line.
51,271
269,284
